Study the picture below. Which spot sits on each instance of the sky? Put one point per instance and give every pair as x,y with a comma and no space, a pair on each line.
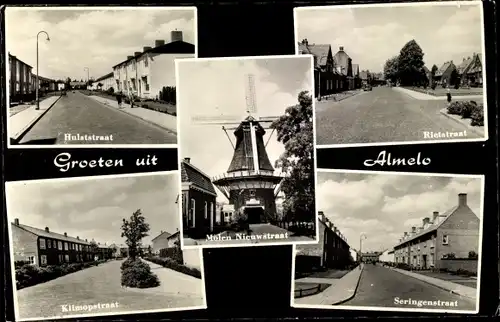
97,39
384,206
94,208
371,35
220,93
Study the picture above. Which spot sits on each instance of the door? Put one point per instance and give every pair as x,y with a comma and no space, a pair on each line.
424,262
254,215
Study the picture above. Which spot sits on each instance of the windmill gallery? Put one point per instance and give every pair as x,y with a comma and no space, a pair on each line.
251,187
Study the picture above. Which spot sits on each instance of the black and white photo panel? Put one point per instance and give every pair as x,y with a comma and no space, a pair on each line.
100,246
412,243
119,93
246,151
396,73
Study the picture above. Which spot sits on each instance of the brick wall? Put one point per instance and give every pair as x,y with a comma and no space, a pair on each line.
24,244
456,264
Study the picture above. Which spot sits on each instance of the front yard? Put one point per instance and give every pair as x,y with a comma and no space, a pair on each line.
440,91
450,277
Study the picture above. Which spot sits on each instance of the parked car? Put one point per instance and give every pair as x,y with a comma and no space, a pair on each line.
367,87
63,93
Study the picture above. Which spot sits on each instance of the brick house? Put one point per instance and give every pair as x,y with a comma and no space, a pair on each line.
20,79
474,75
454,232
326,79
370,257
43,247
164,240
331,251
343,64
444,73
198,201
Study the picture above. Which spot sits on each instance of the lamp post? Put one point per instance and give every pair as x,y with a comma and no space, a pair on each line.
361,237
88,75
37,77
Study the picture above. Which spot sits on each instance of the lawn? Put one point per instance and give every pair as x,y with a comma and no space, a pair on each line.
440,91
151,105
307,289
458,279
331,273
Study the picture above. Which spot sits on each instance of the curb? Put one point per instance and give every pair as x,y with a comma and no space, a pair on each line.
438,286
141,118
326,98
17,139
355,290
459,121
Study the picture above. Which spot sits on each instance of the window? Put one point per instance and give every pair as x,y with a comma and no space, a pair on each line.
42,243
59,245
49,243
60,258
206,210
65,245
31,260
66,258
211,210
192,212
79,247
445,240
43,260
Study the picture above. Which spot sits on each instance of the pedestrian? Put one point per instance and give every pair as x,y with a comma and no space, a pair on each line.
131,98
119,100
448,95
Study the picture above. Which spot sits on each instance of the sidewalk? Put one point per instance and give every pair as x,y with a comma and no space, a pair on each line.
479,130
337,97
20,123
341,290
162,120
455,288
426,97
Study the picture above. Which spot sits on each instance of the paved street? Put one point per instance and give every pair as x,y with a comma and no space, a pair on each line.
379,286
101,284
381,115
79,114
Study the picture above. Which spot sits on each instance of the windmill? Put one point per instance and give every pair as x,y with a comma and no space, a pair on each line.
250,183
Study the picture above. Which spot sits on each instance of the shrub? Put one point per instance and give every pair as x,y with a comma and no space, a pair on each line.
462,108
19,264
467,109
465,272
443,84
176,266
168,94
473,254
138,274
477,116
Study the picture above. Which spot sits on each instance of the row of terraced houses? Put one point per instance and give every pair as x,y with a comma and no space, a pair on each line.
22,81
469,71
145,73
335,73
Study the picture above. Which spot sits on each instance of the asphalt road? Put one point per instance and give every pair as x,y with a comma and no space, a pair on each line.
379,286
78,114
101,284
380,116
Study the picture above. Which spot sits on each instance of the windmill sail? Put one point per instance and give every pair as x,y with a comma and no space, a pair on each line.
250,95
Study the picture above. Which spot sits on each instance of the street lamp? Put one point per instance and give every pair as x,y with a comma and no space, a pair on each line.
361,237
88,75
37,77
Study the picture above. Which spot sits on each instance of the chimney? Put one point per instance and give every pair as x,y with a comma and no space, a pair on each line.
435,214
144,49
78,237
129,57
463,59
425,221
98,243
341,48
16,222
321,215
462,199
65,235
47,229
137,53
305,42
406,234
187,160
413,229
175,35
86,239
159,43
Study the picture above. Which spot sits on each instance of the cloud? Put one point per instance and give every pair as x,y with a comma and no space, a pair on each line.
371,35
384,206
220,87
97,39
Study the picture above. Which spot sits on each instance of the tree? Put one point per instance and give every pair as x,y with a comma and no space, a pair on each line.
150,250
472,255
100,85
94,248
134,230
295,131
410,64
391,69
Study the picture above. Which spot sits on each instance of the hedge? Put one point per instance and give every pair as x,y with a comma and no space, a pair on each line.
468,109
169,263
29,275
136,273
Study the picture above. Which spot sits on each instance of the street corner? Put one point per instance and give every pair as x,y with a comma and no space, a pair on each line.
464,122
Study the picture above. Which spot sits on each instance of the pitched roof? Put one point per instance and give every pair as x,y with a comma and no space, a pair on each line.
477,67
320,51
49,234
162,234
444,68
462,67
432,227
426,70
355,69
104,77
190,173
363,74
174,47
15,57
